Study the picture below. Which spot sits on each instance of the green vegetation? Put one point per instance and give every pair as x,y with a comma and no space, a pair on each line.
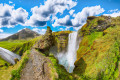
16,72
8,71
13,72
16,46
3,64
61,71
99,51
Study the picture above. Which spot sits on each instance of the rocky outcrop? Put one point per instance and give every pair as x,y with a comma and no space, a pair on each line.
23,34
45,42
96,24
54,42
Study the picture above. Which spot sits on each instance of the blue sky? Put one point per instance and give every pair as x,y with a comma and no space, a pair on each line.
58,14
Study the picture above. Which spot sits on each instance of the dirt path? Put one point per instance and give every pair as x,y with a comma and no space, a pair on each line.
37,67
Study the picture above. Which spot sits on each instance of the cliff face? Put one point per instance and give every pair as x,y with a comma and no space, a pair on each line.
61,40
99,49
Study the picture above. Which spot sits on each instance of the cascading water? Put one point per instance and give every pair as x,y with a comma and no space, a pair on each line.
68,58
8,55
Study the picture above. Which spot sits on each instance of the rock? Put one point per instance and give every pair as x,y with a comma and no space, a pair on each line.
46,42
61,40
16,60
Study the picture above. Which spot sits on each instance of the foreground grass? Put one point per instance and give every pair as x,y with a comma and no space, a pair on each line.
13,72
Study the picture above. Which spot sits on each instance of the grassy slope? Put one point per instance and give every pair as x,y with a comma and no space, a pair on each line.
98,54
19,47
13,72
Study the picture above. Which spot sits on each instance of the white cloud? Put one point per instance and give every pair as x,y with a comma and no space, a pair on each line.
4,35
63,21
40,15
71,12
79,18
10,2
9,17
1,30
114,14
114,10
40,31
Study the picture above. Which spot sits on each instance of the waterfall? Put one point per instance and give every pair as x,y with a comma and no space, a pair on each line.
68,58
8,55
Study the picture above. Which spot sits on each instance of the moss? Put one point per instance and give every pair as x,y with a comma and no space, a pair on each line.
100,54
13,72
16,73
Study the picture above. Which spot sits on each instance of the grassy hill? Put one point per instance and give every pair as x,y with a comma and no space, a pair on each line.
99,51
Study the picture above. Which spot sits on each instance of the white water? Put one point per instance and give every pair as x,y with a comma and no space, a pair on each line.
68,58
8,55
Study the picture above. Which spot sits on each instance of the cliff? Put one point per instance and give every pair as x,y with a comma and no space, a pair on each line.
99,50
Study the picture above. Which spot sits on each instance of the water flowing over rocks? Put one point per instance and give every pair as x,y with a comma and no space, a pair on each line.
9,56
68,58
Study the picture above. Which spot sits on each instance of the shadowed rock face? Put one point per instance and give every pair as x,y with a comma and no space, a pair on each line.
23,34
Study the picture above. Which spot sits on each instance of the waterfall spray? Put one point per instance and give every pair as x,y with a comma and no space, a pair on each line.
8,55
68,58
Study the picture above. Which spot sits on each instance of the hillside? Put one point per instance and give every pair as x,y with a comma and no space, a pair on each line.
98,56
23,34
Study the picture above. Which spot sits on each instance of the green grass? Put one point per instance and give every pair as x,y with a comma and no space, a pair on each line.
16,73
18,47
98,55
13,72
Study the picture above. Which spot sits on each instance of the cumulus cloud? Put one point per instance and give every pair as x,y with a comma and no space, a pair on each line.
79,18
40,15
71,12
9,17
1,30
40,31
4,35
114,14
63,21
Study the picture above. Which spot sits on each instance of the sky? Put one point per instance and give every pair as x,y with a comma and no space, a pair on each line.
60,15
